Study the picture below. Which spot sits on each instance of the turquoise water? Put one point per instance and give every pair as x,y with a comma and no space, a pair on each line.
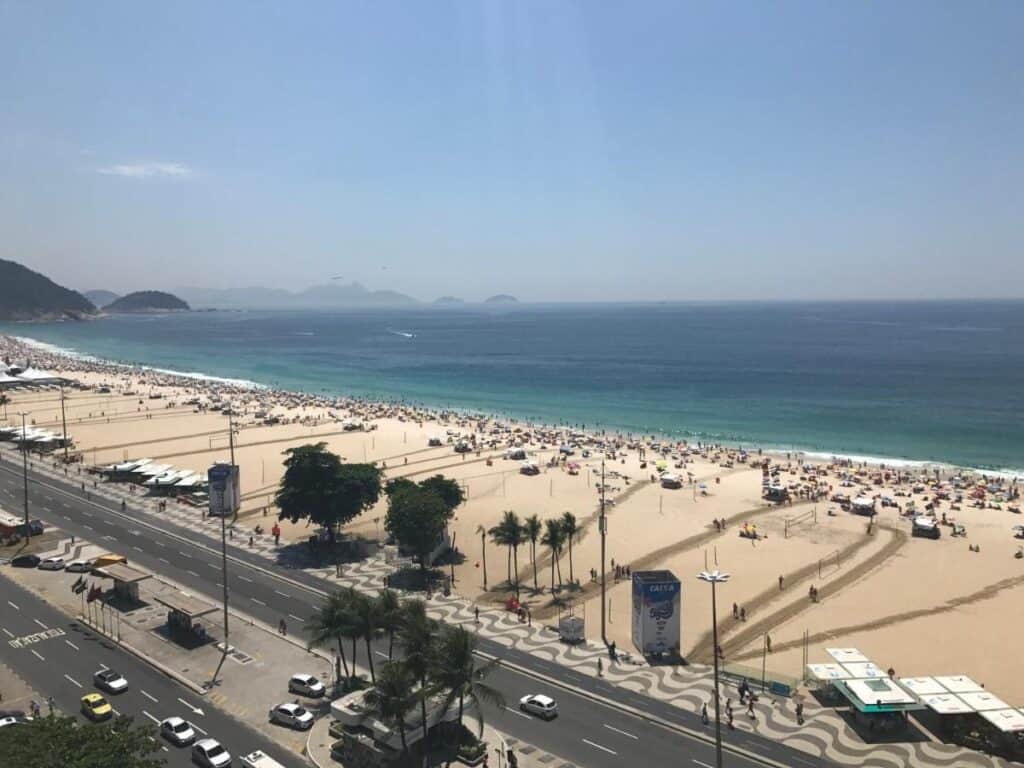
931,381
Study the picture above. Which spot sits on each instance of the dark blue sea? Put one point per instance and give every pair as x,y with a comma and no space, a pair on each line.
929,381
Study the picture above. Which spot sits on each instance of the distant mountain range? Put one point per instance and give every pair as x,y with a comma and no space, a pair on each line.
147,301
100,297
316,297
28,295
501,298
449,300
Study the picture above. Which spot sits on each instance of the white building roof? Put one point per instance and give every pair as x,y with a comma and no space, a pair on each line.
922,686
958,684
879,690
827,671
1006,720
863,670
983,701
947,704
846,655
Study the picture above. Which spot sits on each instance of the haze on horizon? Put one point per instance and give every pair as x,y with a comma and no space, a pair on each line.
554,151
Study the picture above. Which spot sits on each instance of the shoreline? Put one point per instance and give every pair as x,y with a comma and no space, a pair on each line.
184,378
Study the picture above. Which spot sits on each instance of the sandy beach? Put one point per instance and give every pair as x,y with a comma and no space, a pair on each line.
920,606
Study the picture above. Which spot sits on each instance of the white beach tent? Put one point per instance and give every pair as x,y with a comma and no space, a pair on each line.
34,376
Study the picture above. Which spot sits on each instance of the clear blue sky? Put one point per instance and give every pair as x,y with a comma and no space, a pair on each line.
554,150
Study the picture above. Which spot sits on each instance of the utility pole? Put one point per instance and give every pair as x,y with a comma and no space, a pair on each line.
24,465
713,578
603,528
224,545
64,424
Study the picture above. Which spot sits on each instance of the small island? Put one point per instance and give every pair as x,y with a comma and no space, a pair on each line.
449,300
147,301
501,298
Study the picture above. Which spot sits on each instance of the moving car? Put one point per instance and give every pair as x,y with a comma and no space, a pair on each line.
210,754
259,759
306,685
293,715
539,705
5,721
177,731
96,708
110,681
51,564
26,561
78,566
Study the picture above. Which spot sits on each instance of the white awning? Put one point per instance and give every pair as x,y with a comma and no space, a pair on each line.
847,655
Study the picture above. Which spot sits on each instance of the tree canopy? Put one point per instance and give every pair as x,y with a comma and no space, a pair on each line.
317,486
60,742
416,517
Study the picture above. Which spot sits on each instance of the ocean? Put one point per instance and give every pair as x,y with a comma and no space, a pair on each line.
918,381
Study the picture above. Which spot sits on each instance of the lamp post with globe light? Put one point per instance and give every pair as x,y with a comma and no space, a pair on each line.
713,578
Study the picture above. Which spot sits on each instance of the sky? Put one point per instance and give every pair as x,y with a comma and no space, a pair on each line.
557,151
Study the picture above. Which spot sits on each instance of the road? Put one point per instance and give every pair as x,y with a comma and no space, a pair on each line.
587,732
62,666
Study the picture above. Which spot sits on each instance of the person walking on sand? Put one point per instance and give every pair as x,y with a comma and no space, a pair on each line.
780,583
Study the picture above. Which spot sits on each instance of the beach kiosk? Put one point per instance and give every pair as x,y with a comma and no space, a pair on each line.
656,615
879,703
126,580
182,612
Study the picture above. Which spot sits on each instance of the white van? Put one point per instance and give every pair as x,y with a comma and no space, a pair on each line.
259,759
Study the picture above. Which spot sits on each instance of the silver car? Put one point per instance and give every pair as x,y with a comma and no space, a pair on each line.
306,685
539,705
51,564
210,754
177,731
292,715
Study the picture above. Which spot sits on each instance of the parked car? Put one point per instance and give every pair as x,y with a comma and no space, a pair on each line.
293,715
210,754
110,681
177,731
51,564
539,705
78,566
26,561
96,708
306,685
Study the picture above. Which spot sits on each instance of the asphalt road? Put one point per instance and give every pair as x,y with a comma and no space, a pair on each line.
62,666
586,732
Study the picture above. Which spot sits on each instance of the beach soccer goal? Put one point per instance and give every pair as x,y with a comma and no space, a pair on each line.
810,517
828,564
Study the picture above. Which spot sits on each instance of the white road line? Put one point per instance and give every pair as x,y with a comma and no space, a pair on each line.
108,537
211,565
137,549
159,544
182,553
379,653
151,698
115,711
47,509
698,762
87,514
244,578
13,605
282,594
197,728
517,712
624,733
257,600
7,632
88,527
36,654
193,573
70,679
37,621
598,746
164,560
150,717
299,618
72,644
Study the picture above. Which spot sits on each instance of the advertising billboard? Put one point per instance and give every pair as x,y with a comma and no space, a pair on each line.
656,614
225,496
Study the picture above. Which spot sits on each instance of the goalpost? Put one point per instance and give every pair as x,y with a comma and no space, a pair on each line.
810,517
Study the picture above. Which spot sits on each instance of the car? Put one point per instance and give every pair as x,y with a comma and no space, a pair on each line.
110,681
539,705
177,731
78,566
96,708
51,564
5,721
26,561
306,685
293,715
210,754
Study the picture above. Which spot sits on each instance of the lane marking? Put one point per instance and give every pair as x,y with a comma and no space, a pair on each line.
108,537
7,632
150,717
88,527
13,605
197,728
698,762
37,621
257,600
182,553
244,578
164,560
193,573
598,746
36,654
299,618
624,733
70,679
517,712
159,544
211,565
282,594
137,549
151,698
72,645
379,653
87,514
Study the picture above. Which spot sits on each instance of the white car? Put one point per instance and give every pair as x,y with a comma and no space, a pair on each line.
293,715
110,681
210,754
306,685
177,731
539,705
78,566
51,564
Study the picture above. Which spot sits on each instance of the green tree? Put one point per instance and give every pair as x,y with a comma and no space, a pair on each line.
61,742
392,697
318,487
4,400
389,616
509,533
449,490
352,629
364,616
554,539
459,675
532,528
416,517
483,550
417,637
570,528
330,623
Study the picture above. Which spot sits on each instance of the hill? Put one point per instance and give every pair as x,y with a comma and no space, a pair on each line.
316,297
147,301
100,297
449,300
501,298
28,295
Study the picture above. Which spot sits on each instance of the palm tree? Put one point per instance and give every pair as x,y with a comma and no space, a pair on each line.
352,629
553,540
483,549
4,400
460,677
392,696
532,528
329,623
509,533
389,616
499,535
416,636
570,528
364,618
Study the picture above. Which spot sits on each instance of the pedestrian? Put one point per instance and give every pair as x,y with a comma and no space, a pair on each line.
780,583
704,713
250,541
49,703
282,628
743,614
600,668
750,709
800,713
476,614
768,643
735,611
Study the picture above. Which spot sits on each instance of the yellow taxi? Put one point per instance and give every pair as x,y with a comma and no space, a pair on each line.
95,707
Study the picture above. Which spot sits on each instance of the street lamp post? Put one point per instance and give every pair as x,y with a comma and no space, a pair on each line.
713,578
64,425
24,466
603,528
